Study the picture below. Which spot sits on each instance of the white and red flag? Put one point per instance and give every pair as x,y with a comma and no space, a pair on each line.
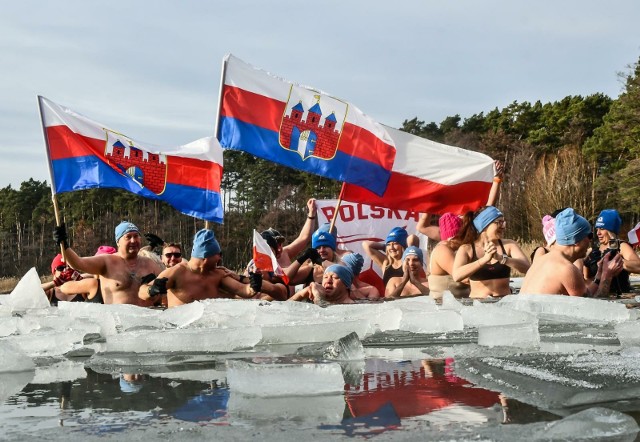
430,177
264,259
634,235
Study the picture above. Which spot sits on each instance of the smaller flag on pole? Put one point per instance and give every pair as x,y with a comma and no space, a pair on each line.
264,259
634,235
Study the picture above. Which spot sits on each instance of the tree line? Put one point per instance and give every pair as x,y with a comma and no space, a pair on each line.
582,152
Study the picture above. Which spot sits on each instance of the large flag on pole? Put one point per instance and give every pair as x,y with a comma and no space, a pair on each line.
430,177
264,259
302,128
84,154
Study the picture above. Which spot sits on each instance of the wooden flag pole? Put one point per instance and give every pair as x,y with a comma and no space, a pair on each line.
336,210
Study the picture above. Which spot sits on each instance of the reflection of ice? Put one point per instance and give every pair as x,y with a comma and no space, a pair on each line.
284,379
62,371
314,409
12,383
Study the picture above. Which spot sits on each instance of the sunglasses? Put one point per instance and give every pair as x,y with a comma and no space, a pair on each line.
61,268
174,254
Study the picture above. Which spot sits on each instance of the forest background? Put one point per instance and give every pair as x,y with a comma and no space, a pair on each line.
582,152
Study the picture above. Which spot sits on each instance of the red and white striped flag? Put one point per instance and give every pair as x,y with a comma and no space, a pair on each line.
634,235
264,259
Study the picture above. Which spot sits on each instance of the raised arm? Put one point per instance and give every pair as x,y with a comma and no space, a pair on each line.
374,250
297,245
494,193
424,227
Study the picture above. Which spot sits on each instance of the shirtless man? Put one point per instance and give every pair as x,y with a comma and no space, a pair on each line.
121,273
554,273
410,283
200,278
335,287
172,254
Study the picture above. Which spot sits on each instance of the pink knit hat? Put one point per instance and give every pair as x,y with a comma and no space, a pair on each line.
549,229
105,250
449,225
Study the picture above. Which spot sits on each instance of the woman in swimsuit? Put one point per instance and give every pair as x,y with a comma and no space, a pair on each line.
389,261
442,258
484,256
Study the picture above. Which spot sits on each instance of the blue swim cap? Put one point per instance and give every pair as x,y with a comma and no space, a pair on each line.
609,219
343,273
413,250
399,235
354,261
322,238
571,228
205,244
123,228
486,217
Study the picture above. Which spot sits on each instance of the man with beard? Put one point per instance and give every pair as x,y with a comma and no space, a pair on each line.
554,273
121,273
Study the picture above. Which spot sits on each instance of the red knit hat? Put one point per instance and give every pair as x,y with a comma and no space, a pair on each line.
57,261
449,226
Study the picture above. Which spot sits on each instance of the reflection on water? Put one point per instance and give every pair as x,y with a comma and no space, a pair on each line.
384,395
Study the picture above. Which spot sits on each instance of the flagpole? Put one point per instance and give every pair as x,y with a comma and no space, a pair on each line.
54,199
335,212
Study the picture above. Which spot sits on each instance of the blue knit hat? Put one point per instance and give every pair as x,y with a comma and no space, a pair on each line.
399,235
486,217
413,250
343,273
609,219
322,238
205,244
123,228
571,228
354,261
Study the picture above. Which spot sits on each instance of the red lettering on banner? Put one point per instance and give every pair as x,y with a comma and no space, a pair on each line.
412,215
376,212
328,212
346,213
394,212
360,214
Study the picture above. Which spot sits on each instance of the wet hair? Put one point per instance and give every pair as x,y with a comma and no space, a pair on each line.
468,233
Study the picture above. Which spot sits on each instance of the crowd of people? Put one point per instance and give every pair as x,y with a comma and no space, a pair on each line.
472,258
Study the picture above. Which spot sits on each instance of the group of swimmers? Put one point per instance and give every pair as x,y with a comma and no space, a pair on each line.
471,259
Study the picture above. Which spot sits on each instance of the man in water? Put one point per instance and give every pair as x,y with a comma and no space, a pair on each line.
554,272
411,283
335,287
172,254
121,273
201,278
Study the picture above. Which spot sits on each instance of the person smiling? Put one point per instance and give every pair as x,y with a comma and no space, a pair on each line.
485,256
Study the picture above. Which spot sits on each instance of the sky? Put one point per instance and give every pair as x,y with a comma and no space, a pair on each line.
151,69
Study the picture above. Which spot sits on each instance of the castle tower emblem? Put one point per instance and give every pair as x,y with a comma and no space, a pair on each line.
148,170
306,130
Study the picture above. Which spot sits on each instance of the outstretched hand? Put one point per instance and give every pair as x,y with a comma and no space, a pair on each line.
499,166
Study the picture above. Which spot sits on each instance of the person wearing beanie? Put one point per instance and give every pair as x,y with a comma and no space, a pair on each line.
201,277
359,289
441,260
555,273
607,225
485,257
388,255
334,289
549,234
62,275
412,282
122,273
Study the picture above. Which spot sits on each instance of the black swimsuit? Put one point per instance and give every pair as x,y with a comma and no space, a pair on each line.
390,272
490,271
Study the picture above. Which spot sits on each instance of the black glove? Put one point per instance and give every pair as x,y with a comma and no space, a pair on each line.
255,281
311,254
591,262
60,235
159,287
153,240
147,278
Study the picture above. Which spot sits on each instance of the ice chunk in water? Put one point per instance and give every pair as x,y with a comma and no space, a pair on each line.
431,321
568,307
28,293
628,333
523,335
449,302
183,315
63,371
185,340
493,314
14,359
347,348
284,379
381,316
227,313
593,424
307,332
12,383
8,326
48,343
